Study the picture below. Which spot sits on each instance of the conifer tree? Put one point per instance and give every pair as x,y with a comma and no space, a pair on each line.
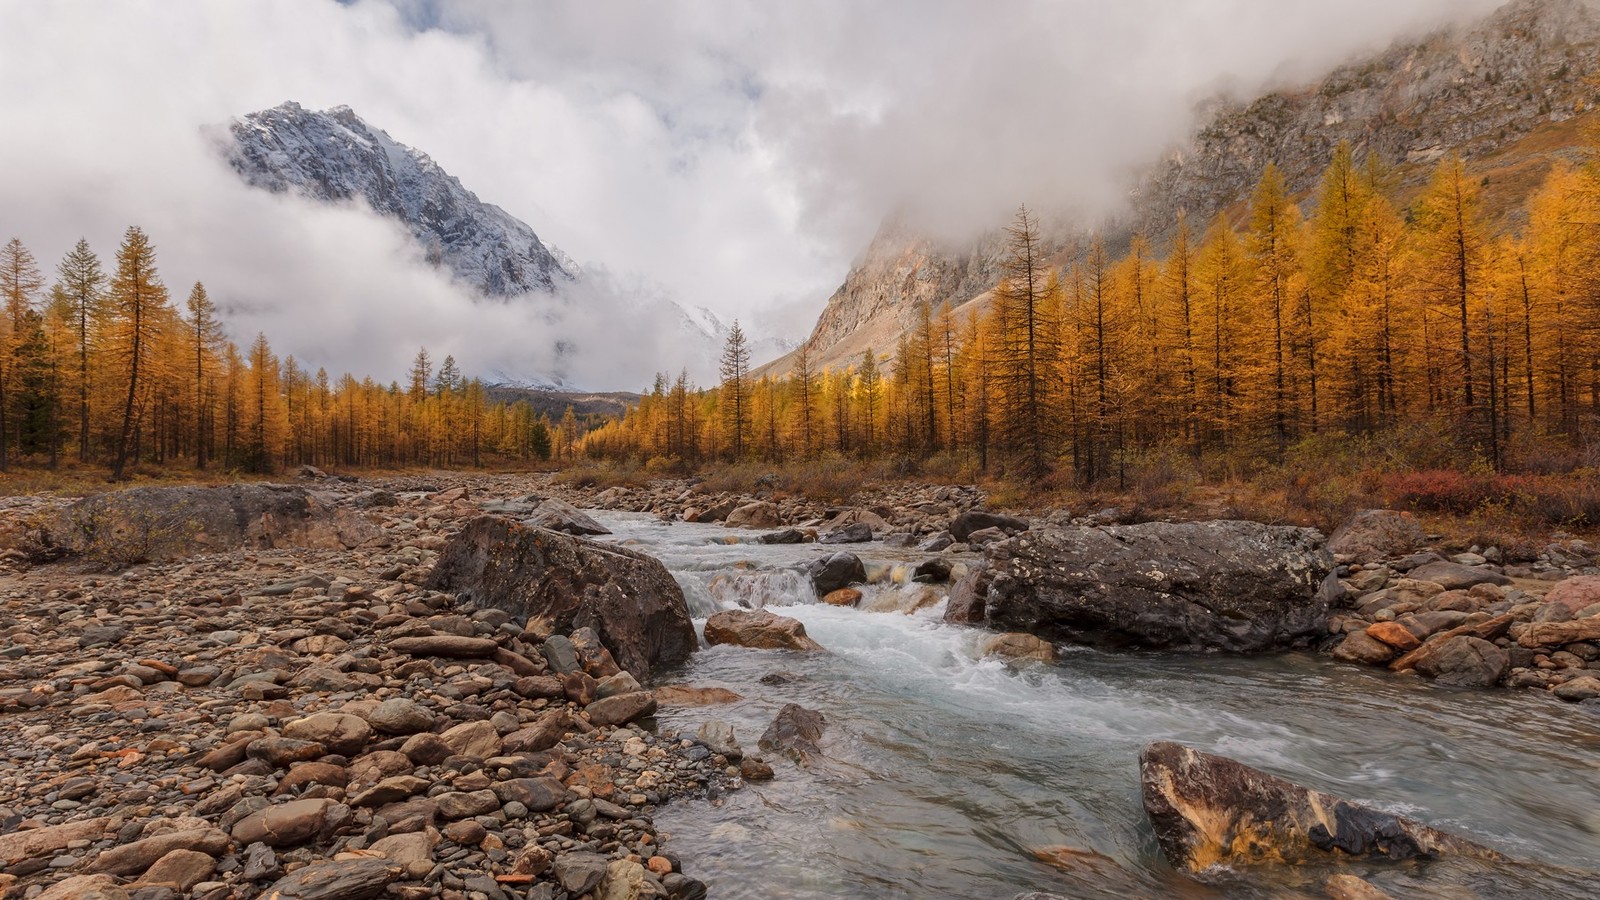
137,300
79,298
735,396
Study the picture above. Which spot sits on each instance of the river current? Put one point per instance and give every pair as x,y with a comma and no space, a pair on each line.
950,775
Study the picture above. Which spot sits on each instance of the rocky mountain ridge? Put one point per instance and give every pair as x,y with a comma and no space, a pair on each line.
335,156
1506,92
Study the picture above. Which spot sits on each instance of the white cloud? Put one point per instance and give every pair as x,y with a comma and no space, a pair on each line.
735,155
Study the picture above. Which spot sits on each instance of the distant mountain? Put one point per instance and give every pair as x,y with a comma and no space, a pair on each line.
335,156
1508,92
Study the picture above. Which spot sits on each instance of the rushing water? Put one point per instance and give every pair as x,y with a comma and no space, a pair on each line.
947,775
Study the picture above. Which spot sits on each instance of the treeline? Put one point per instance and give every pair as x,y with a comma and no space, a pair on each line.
1240,340
103,368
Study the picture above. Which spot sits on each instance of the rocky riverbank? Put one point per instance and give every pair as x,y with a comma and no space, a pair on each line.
346,689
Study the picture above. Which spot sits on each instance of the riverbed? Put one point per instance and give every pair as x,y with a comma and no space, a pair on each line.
950,775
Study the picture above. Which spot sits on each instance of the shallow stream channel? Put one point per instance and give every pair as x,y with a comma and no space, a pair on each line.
949,775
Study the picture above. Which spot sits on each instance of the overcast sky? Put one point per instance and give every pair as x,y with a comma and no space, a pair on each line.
730,155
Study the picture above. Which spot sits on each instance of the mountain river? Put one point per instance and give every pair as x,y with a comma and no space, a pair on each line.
948,775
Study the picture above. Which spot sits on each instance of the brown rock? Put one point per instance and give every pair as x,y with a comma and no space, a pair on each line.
303,775
1584,687
289,823
85,887
34,843
1576,593
281,751
1359,647
343,734
353,879
476,739
1395,635
1018,646
182,869
1374,534
1208,810
1550,634
1349,887
759,629
688,695
843,597
621,709
795,732
446,645
131,859
1463,661
426,749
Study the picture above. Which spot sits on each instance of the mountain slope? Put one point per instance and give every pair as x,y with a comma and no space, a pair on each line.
335,156
1505,92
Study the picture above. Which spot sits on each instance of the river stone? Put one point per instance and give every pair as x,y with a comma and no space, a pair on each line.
1584,687
1209,810
621,709
537,794
836,571
625,880
1345,886
1235,586
558,515
134,858
1463,661
479,740
1374,534
173,522
349,879
795,731
854,533
842,597
630,600
969,523
400,715
454,646
290,823
1549,634
181,868
578,873
786,536
718,737
758,514
343,734
84,887
1576,593
1395,635
1017,646
1456,577
1361,647
758,628
36,843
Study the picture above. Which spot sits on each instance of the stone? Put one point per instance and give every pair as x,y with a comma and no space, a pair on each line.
630,600
465,804
542,734
842,597
1375,534
1576,690
795,732
172,522
718,738
620,683
1550,634
281,751
466,832
390,790
758,629
36,843
1454,576
291,823
757,514
540,794
426,749
1395,635
1361,647
1345,886
476,739
854,533
407,849
686,695
966,603
984,537
343,734
349,879
963,526
1193,586
181,868
625,880
557,515
134,858
580,872
1463,661
621,709
786,536
1209,810
753,769
446,645
400,715
836,571
1018,647
1576,593
84,887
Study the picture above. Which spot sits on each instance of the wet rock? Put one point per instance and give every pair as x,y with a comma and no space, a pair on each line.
579,873
621,709
839,570
843,597
625,880
1018,647
1373,534
855,533
353,879
629,599
758,629
758,514
1454,576
1349,887
718,738
1463,661
963,526
1577,690
1209,810
794,732
687,695
1235,586
557,515
786,536
1361,647
1395,635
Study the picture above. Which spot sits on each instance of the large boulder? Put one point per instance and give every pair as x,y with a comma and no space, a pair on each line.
153,523
836,571
968,523
1456,577
1209,810
559,515
1463,661
757,514
1233,586
759,629
1374,534
565,583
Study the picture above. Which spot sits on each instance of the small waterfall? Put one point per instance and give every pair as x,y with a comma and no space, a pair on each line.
708,592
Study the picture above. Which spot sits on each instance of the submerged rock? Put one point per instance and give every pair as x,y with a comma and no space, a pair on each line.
1235,586
795,732
630,600
758,629
1209,810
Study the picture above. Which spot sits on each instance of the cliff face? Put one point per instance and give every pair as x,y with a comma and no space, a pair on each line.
1503,92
